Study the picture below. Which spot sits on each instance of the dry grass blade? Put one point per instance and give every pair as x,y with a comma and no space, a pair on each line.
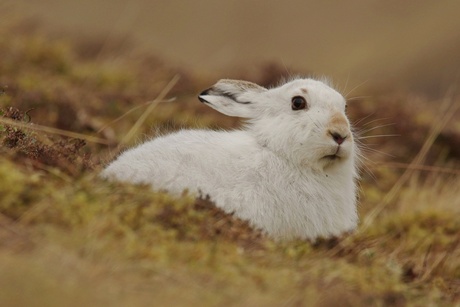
132,110
448,109
149,110
427,168
52,130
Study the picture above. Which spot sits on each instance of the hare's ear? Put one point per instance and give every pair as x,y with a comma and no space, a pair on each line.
233,97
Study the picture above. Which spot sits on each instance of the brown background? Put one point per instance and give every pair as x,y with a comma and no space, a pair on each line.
410,43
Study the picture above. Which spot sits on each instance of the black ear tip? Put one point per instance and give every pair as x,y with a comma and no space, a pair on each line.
201,99
205,92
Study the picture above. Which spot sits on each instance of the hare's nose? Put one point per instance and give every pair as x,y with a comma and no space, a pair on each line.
338,138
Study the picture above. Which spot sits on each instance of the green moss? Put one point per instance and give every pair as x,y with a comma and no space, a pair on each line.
16,190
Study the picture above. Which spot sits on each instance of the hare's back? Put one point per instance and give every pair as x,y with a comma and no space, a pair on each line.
189,154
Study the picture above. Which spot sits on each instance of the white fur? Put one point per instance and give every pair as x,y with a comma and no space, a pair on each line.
274,172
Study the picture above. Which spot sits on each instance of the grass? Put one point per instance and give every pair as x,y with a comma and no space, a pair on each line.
68,237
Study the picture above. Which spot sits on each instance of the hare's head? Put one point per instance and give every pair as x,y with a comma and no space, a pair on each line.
303,120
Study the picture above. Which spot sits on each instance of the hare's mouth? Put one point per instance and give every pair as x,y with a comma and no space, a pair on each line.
338,155
331,157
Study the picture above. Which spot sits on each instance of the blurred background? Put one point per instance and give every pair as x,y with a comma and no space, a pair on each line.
412,44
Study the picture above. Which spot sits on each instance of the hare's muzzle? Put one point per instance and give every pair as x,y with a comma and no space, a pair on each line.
339,128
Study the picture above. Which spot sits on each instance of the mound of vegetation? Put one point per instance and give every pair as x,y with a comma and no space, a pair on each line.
68,237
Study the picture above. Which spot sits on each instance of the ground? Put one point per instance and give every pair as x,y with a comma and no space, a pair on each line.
67,237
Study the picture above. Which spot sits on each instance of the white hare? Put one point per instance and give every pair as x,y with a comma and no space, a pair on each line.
291,171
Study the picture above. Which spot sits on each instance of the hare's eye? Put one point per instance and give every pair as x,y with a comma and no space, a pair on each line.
298,103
